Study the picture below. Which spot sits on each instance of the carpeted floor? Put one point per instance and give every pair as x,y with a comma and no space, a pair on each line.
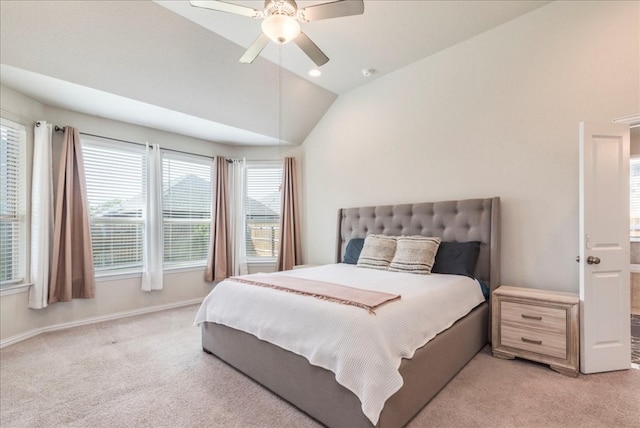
150,371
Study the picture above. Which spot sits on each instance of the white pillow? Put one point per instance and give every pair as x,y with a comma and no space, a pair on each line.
414,254
377,252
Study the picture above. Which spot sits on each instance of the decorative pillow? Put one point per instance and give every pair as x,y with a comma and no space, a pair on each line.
457,258
353,250
414,254
377,252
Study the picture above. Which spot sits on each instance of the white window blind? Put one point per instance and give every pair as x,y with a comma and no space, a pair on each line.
12,205
634,199
116,182
262,210
186,200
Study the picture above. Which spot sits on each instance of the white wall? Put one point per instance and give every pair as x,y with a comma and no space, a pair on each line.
113,296
494,116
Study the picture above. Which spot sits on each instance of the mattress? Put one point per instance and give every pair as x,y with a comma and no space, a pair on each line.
363,350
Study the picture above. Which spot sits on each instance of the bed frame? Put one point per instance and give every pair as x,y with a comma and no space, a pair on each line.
314,390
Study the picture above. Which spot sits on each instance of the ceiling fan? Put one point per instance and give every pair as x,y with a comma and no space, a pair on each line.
281,22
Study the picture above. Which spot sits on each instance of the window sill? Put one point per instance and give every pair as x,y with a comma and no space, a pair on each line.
116,276
179,269
14,289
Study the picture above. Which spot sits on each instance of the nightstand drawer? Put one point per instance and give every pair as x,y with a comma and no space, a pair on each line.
531,315
540,342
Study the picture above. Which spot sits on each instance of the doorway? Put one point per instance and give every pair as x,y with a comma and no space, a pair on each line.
635,248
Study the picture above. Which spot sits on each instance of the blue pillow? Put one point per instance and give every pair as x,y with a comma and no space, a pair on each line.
457,258
352,252
486,290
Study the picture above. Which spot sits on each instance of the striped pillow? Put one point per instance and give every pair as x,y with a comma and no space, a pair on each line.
414,254
377,252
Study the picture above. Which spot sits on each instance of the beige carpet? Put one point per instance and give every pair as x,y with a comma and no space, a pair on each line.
150,371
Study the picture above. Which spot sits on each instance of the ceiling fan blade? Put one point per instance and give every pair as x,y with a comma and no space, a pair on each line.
255,49
227,7
334,9
310,48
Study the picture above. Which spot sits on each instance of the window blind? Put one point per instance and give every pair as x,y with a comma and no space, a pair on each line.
12,189
262,210
186,201
116,185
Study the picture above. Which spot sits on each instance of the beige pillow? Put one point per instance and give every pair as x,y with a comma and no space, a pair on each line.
414,254
377,252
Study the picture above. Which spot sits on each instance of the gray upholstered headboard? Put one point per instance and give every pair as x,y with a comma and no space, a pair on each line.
464,220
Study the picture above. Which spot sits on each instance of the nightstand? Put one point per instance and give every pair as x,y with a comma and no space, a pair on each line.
537,325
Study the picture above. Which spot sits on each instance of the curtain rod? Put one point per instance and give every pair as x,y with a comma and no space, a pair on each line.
61,129
24,120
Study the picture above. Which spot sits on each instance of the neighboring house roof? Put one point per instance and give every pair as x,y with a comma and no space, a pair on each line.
261,209
187,196
190,196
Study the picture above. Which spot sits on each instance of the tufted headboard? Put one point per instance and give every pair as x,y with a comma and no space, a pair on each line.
464,220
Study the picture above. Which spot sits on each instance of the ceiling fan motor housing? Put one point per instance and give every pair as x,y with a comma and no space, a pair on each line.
280,7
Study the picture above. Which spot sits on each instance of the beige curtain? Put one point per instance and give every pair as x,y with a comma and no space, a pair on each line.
219,260
72,272
290,251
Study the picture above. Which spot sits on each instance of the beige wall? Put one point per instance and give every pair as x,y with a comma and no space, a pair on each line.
494,116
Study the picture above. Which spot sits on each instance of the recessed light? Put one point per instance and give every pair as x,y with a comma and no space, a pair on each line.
315,72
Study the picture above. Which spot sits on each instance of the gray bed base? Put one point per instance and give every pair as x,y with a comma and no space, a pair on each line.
314,390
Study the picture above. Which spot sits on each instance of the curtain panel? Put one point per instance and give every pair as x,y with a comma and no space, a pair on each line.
72,271
41,215
153,246
219,258
290,251
237,220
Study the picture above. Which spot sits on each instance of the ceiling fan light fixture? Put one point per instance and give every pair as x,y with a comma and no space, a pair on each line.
281,28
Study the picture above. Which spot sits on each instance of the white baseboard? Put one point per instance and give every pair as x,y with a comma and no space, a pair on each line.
149,309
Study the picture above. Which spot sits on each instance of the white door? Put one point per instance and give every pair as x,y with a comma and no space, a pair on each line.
605,331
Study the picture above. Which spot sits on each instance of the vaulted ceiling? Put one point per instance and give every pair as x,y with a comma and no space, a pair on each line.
170,66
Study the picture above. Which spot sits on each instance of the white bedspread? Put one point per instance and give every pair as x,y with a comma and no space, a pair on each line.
363,350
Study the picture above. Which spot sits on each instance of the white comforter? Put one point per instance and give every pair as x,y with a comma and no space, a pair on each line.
363,350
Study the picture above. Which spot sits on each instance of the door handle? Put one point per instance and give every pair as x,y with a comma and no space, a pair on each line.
593,260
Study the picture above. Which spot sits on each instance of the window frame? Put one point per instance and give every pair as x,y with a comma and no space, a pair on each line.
137,150
252,165
193,158
20,217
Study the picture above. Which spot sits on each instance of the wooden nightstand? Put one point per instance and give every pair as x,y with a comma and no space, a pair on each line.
538,325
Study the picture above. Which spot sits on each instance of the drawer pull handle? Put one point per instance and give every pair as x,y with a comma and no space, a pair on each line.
535,342
531,317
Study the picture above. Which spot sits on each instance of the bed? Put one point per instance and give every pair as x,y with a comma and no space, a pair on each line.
315,390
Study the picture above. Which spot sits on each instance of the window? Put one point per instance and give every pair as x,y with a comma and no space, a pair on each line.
262,210
634,199
116,185
116,176
12,202
186,200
